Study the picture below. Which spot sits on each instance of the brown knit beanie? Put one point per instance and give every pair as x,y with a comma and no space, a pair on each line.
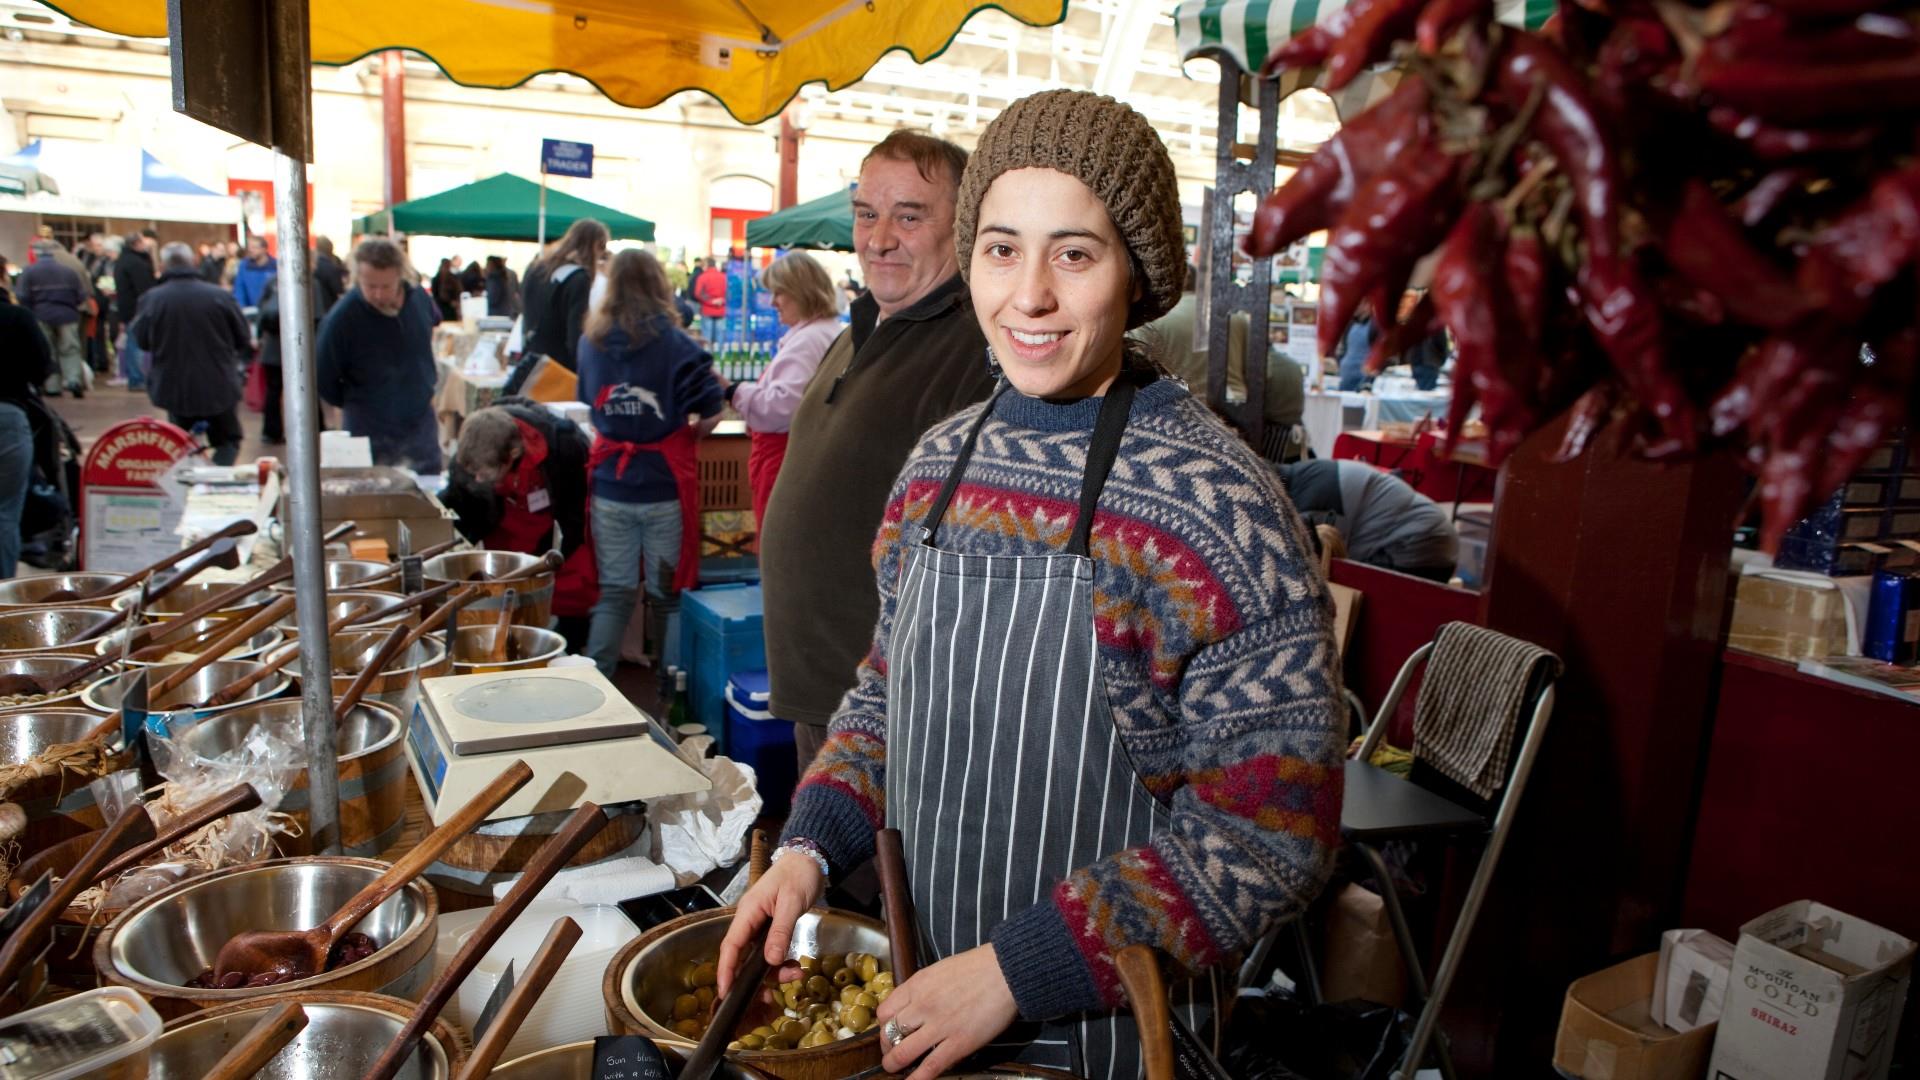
1110,148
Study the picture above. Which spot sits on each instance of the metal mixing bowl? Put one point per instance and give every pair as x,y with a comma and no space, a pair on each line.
40,629
339,603
32,591
47,666
105,694
344,1036
158,944
533,596
25,735
574,1061
353,650
364,731
193,592
253,647
528,647
350,573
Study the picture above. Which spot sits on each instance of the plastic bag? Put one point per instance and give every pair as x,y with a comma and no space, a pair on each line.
707,829
1276,1036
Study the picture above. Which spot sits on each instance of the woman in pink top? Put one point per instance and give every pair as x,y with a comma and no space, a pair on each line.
803,295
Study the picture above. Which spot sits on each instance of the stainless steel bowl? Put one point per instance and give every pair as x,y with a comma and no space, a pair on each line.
339,603
352,651
351,573
47,666
160,943
253,647
533,596
365,730
344,1036
105,694
26,735
39,629
193,592
462,565
527,647
33,591
574,1061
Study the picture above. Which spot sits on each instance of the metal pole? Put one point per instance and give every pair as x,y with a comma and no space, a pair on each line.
303,498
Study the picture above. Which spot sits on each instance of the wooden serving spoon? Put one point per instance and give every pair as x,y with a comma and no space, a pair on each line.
497,654
132,827
549,562
273,575
240,632
705,1059
235,800
266,1038
418,600
580,827
233,691
234,531
357,689
902,937
442,613
424,553
520,1000
304,952
1147,994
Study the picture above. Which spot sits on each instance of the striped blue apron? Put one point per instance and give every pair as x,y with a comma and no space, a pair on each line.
1004,770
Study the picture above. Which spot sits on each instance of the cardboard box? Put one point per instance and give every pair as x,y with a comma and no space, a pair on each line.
1815,994
1607,1030
1692,984
1791,620
379,500
1362,959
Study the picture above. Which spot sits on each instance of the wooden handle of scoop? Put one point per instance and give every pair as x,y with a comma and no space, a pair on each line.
418,600
235,530
248,627
235,800
383,656
759,856
903,936
273,575
132,827
233,691
503,627
1147,993
258,1046
431,847
424,553
548,563
440,614
705,1058
582,826
521,999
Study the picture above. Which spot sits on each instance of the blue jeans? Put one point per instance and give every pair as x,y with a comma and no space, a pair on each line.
133,363
16,471
711,327
625,534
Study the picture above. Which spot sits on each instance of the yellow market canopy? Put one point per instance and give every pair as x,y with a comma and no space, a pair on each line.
750,55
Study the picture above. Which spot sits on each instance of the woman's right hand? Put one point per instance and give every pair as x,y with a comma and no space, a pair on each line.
784,893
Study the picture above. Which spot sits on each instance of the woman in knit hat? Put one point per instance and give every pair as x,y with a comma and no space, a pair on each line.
1101,701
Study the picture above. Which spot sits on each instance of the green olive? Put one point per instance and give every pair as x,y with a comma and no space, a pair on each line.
843,977
882,994
791,1030
809,964
777,1043
869,967
685,1006
686,976
763,1031
858,1018
752,1042
735,1045
703,974
819,985
704,995
832,962
882,981
850,994
689,1029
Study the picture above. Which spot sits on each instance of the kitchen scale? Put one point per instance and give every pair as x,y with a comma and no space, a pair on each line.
583,739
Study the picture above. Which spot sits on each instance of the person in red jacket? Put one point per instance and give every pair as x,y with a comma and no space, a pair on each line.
710,289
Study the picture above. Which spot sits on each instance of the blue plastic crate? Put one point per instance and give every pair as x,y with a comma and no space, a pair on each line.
719,634
762,740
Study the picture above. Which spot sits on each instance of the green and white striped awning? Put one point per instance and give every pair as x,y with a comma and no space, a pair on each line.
1247,30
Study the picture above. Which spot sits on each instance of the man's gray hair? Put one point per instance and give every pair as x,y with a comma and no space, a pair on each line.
178,256
487,439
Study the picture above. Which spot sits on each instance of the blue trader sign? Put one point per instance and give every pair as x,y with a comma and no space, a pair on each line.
566,158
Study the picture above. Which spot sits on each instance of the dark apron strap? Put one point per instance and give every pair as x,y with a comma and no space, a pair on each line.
939,511
1101,451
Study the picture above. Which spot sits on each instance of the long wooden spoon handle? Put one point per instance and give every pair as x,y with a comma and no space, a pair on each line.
133,826
582,826
235,800
273,575
440,614
1147,993
424,553
248,627
521,999
257,1047
356,690
233,531
503,626
549,562
902,935
430,848
418,600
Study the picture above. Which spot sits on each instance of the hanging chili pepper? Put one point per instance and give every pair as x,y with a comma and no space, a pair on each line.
1867,245
1440,18
1367,36
1816,93
1421,323
1637,49
1707,248
1566,122
1486,333
1821,9
1308,48
1319,191
1768,194
1393,220
1625,319
1588,416
1525,270
1774,142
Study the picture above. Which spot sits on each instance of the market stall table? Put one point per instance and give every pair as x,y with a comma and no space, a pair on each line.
1442,473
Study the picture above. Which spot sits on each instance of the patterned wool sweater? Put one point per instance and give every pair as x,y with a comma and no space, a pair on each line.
1216,652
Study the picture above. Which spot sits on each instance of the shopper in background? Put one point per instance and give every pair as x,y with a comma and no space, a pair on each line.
98,264
329,277
803,297
1383,520
710,292
643,377
557,312
272,421
446,291
913,355
375,360
503,288
28,360
213,262
473,280
250,280
133,277
1354,347
58,296
195,339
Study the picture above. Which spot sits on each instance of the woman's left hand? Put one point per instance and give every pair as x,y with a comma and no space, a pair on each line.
949,1010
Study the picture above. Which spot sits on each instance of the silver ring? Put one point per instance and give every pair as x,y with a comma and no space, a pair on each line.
893,1033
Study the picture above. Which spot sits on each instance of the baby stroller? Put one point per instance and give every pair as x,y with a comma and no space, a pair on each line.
49,523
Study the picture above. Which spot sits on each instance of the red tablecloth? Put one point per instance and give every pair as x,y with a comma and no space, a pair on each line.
1423,462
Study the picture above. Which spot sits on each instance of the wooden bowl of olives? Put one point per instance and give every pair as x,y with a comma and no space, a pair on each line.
820,1027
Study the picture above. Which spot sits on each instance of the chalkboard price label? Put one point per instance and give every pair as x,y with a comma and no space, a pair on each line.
628,1057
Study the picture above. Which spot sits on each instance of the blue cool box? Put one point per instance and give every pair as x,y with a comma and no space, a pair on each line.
719,634
758,738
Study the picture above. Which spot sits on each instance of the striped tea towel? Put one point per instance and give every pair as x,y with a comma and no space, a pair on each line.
1470,700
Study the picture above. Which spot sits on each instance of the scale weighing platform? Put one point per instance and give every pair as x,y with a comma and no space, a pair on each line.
583,739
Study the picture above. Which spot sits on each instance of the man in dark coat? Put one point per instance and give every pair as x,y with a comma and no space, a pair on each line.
58,296
329,277
196,339
375,360
133,277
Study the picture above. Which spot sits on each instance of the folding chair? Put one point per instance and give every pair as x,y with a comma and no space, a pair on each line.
1380,807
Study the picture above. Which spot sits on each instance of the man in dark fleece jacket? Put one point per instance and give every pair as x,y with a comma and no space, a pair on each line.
913,356
375,360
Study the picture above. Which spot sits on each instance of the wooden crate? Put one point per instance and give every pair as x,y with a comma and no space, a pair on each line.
723,473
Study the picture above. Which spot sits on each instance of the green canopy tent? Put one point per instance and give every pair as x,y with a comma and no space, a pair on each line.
826,222
503,207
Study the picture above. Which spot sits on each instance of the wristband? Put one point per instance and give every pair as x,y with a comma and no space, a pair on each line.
804,847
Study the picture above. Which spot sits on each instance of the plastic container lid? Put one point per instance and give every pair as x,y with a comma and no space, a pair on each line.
747,711
752,689
571,1008
78,1036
